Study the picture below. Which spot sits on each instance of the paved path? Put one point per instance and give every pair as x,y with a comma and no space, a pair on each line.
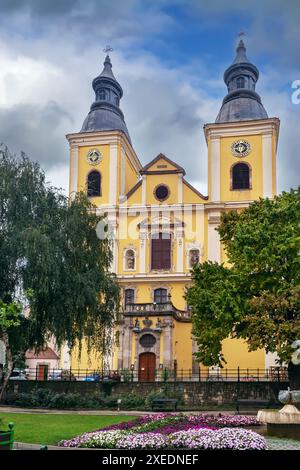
12,409
275,443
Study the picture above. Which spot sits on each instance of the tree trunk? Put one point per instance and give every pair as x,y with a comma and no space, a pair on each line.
9,365
294,376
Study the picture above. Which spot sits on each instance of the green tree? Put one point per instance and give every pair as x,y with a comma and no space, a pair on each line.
257,295
53,264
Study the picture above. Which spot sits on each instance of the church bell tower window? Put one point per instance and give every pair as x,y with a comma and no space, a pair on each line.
94,184
240,176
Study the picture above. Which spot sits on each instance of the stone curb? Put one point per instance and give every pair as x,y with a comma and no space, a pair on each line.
28,446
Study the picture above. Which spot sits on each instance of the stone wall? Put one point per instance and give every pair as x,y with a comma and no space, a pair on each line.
192,394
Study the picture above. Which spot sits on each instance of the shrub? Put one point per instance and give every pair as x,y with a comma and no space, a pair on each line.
45,398
132,401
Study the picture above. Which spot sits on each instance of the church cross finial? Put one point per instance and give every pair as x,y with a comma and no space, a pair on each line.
107,49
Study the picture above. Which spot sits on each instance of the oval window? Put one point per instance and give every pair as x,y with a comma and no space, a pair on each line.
147,341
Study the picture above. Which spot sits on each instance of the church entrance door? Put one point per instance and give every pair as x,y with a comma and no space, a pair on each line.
147,367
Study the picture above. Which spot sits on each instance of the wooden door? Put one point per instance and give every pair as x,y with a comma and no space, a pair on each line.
42,372
147,367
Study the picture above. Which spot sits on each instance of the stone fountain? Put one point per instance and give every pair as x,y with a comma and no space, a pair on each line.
285,422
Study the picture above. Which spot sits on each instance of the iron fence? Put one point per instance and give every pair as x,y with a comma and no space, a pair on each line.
272,374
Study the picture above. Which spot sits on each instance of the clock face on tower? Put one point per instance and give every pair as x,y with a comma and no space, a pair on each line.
240,148
94,156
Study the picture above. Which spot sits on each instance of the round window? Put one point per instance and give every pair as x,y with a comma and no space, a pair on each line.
147,341
161,192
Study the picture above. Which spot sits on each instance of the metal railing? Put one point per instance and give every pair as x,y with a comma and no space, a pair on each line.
42,373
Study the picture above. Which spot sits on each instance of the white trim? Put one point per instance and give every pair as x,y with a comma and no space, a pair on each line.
83,139
180,187
267,165
179,267
65,357
143,245
213,238
73,171
232,129
144,189
270,360
122,176
215,180
154,277
113,173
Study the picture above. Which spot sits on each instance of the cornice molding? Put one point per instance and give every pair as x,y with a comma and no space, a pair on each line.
253,127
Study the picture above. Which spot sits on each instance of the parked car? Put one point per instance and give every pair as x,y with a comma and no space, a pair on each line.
112,377
61,375
19,374
92,378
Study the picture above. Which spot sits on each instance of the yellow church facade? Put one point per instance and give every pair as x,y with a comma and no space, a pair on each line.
161,225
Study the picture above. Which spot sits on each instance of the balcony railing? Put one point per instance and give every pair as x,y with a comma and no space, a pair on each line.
164,308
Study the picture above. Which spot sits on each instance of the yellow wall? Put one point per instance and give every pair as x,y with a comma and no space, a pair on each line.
195,235
254,159
182,345
84,168
237,355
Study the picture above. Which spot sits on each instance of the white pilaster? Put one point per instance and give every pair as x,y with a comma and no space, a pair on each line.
74,171
114,265
180,189
144,189
113,173
214,244
270,360
215,181
65,357
179,267
143,243
123,161
267,165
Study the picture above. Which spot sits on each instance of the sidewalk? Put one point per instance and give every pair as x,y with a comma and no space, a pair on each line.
16,409
12,409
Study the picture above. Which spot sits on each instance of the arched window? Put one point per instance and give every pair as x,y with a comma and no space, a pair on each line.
94,184
241,176
240,82
161,251
194,257
129,297
160,296
129,259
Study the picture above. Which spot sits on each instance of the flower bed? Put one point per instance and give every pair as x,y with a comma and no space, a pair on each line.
173,431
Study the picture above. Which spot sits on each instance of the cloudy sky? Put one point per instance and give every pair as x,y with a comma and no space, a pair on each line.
169,56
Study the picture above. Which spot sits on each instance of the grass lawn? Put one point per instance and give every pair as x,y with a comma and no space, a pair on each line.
49,429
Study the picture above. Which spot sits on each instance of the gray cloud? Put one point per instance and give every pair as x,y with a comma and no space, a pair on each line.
38,131
51,50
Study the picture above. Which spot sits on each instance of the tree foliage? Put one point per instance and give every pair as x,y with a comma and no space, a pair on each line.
52,262
256,295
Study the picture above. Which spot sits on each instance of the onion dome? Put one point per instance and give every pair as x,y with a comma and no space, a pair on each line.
105,113
242,103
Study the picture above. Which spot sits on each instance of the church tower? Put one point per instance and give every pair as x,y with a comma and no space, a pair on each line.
102,160
242,147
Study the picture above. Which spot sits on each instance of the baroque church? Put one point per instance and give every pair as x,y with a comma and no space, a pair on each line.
162,225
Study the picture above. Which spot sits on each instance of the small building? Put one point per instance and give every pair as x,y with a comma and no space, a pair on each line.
41,364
